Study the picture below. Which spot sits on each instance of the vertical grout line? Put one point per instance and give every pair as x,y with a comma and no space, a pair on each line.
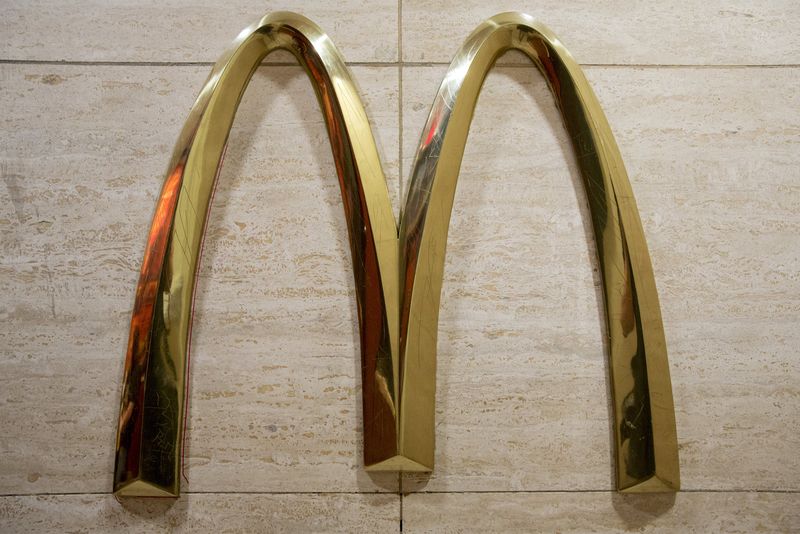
400,487
401,190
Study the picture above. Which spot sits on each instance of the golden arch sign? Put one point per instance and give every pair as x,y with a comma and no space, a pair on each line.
398,268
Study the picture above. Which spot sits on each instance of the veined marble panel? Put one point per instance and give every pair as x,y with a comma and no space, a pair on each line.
275,381
693,32
180,30
212,512
601,512
523,430
522,399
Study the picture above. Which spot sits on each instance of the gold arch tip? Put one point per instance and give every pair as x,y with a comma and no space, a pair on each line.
398,325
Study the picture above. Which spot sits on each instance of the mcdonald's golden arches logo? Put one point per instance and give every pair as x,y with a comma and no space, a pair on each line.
398,268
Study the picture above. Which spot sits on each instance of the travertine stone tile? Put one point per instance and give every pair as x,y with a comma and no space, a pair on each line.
212,512
694,32
276,373
180,30
523,420
601,512
522,396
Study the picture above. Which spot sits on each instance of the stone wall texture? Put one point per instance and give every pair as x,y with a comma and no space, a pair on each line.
703,98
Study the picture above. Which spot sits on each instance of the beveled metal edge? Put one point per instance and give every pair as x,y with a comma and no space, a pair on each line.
644,420
152,408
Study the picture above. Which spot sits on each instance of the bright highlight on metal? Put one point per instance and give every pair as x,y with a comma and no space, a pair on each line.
398,273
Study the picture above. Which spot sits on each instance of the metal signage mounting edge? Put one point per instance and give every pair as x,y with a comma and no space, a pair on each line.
398,325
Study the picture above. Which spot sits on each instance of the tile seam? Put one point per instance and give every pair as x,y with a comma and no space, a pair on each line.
400,63
400,493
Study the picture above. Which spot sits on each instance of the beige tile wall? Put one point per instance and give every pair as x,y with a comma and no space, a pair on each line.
703,99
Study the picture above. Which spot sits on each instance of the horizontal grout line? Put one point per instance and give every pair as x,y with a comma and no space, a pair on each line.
54,494
525,64
107,63
432,492
78,493
166,63
289,493
390,64
690,66
535,492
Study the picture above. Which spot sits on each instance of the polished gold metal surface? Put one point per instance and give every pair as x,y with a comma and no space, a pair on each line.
644,426
398,275
151,423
